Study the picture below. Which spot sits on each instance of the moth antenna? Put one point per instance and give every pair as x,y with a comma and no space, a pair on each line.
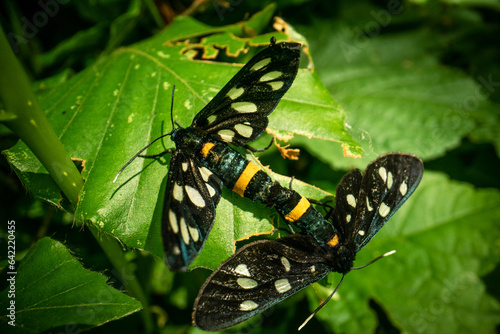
375,260
145,147
322,304
172,109
139,153
338,285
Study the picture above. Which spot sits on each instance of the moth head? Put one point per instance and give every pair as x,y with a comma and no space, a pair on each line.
341,257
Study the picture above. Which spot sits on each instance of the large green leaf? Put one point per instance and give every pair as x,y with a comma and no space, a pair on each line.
445,244
399,97
52,290
106,113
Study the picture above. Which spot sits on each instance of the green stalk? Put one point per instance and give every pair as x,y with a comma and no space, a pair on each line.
155,14
26,119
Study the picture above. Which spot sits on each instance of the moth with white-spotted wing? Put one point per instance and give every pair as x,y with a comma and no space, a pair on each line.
202,161
263,273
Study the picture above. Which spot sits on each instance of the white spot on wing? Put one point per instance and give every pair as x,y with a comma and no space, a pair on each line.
194,233
348,218
177,193
211,119
205,173
260,64
195,196
351,200
361,232
282,285
248,305
275,85
226,135
403,188
285,263
244,107
383,173
389,180
184,231
185,166
270,76
234,93
368,206
384,210
244,130
210,189
242,269
247,283
172,218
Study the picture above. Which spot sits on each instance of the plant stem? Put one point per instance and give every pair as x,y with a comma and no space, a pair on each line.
26,119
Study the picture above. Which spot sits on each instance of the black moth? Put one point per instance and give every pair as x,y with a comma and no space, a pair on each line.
263,273
202,161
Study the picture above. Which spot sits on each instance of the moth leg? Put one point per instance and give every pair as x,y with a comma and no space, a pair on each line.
291,180
328,207
290,229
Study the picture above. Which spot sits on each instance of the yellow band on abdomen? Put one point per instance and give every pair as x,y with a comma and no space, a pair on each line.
248,173
299,210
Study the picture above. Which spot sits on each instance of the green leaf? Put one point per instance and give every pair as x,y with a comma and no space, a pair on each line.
52,289
108,112
83,41
444,245
487,128
399,97
122,26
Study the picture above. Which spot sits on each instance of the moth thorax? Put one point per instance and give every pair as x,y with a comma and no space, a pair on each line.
342,259
186,139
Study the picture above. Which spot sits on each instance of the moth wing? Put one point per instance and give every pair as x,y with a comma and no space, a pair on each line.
346,201
238,113
191,195
387,183
256,277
